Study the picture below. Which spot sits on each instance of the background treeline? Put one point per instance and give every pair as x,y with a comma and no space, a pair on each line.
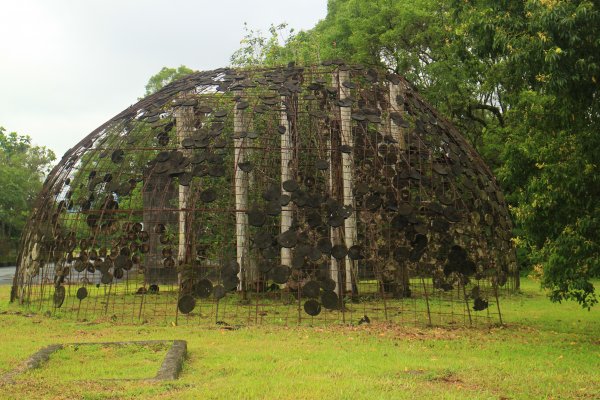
23,167
519,78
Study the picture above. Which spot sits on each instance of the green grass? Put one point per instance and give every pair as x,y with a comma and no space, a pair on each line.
546,350
100,361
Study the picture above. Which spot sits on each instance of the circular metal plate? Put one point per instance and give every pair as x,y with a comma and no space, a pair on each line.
290,186
59,296
280,274
288,239
339,251
219,292
203,288
330,300
208,195
186,304
311,289
312,307
82,293
107,278
256,217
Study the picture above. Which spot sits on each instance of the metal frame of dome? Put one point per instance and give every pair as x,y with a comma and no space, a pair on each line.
220,197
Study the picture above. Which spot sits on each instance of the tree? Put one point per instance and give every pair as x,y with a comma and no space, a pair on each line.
164,77
548,65
520,78
23,168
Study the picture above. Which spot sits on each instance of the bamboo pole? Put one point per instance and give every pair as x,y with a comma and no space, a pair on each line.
335,267
184,126
396,131
241,193
347,175
335,270
287,153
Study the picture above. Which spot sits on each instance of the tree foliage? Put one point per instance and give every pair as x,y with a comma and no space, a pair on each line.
520,78
23,167
548,65
165,76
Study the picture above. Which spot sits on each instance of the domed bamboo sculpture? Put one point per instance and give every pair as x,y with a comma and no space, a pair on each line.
281,195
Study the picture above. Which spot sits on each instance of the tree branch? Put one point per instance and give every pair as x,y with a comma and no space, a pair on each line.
487,107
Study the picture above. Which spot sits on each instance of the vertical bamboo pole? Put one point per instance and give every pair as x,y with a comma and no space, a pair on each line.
241,193
396,131
397,134
184,127
287,153
347,174
335,265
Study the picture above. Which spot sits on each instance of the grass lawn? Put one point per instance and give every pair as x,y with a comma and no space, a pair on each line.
546,350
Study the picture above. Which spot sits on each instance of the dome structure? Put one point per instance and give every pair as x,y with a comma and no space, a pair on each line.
281,195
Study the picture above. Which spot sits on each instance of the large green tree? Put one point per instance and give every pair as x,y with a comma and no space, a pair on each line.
520,78
547,62
23,167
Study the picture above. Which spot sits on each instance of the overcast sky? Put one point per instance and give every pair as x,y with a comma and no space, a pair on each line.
67,66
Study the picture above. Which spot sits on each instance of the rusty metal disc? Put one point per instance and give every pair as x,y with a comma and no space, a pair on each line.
288,239
117,156
290,185
185,179
322,165
355,252
79,265
312,307
186,304
59,296
265,266
339,251
246,166
346,149
324,246
335,221
82,293
208,196
230,282
106,278
480,304
263,239
118,273
311,289
203,288
280,274
326,282
219,292
330,299
256,217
